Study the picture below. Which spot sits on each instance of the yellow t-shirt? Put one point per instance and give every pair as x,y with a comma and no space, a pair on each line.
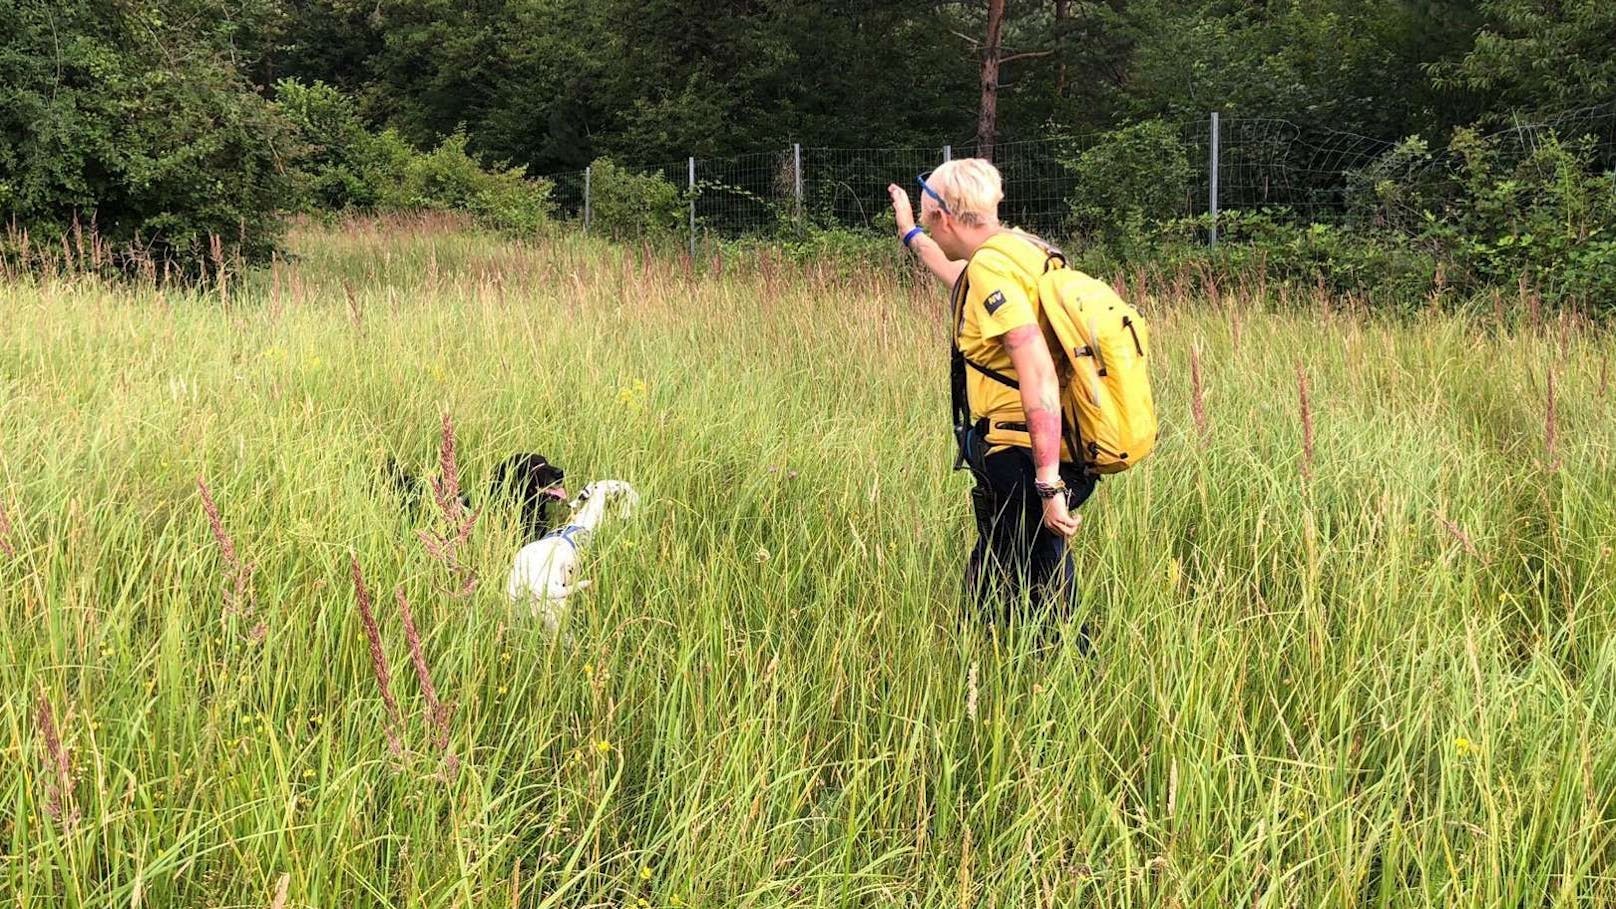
999,292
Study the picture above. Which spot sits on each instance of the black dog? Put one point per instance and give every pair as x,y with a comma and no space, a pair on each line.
526,478
534,484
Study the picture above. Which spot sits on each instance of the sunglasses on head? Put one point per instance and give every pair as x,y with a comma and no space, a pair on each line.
926,188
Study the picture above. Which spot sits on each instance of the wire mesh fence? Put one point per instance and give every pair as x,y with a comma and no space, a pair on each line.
1042,179
1306,173
1595,125
568,192
847,187
1265,163
747,194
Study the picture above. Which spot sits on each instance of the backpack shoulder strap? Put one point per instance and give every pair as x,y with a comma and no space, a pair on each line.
960,409
1052,256
959,296
991,373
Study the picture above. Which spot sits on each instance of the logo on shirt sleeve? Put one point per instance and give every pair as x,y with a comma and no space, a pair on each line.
994,301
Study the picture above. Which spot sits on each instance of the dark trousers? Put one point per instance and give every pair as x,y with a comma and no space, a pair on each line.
1017,563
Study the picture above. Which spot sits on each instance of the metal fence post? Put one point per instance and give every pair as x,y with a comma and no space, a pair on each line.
948,153
692,208
587,212
1212,202
796,172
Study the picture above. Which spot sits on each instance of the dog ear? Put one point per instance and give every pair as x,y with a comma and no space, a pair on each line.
521,469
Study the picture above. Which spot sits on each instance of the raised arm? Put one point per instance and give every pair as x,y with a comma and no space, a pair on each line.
931,255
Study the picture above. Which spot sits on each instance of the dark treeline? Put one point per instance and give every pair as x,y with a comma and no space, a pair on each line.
552,84
180,128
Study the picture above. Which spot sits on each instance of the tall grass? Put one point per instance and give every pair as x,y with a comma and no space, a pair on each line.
1365,660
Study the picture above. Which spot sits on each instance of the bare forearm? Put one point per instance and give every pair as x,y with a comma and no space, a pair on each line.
936,261
1040,399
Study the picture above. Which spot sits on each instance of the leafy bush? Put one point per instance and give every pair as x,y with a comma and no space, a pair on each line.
511,202
129,117
1494,210
1482,213
449,178
627,204
1388,193
1130,177
839,250
344,166
1543,214
1338,258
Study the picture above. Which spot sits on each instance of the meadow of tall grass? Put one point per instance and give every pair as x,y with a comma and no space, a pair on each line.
1352,622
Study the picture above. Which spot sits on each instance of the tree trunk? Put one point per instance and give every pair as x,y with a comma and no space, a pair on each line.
1062,10
987,122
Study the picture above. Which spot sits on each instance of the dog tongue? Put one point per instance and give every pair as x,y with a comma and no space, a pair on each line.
559,493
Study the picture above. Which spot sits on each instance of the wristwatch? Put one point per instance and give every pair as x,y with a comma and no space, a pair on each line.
1049,490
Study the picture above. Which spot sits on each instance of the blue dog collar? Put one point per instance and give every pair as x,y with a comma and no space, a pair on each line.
569,534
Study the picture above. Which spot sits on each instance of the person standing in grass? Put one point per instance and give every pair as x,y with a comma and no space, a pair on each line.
1027,486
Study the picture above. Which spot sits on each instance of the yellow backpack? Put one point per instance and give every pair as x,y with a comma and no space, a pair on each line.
1106,407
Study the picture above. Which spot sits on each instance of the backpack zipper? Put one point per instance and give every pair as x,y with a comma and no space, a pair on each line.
1127,323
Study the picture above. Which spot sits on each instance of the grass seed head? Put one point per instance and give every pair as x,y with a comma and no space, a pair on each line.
1551,427
1197,392
6,546
438,712
378,659
59,802
237,598
1305,405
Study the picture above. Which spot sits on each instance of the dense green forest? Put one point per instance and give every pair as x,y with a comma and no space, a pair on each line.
169,122
554,83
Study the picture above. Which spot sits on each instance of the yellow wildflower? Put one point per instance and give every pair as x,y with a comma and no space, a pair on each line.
634,394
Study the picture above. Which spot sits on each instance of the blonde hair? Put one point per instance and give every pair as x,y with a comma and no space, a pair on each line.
971,188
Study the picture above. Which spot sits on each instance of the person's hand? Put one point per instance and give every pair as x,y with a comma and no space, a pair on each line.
1059,519
901,209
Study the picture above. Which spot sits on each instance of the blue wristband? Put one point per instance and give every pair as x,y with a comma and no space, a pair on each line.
917,229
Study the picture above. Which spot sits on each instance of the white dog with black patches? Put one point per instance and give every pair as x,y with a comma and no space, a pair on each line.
543,576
